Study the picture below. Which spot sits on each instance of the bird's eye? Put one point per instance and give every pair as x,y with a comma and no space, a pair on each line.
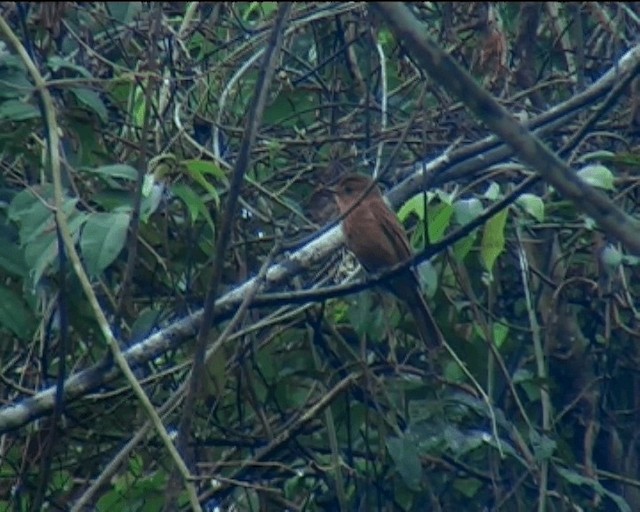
348,189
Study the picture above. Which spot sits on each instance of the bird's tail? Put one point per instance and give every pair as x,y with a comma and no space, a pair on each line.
425,322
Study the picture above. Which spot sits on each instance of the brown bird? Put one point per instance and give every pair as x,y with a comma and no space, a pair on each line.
376,237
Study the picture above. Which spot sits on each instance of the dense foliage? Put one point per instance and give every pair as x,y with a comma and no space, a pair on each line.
324,401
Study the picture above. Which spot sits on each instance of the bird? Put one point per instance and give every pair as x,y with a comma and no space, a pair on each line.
375,236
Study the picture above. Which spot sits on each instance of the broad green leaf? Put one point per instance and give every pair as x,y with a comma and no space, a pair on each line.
439,220
577,479
91,100
16,110
41,253
148,183
428,277
611,258
13,77
493,191
291,109
124,12
438,216
205,167
461,442
139,102
103,238
533,205
453,372
466,210
32,209
112,200
543,446
597,176
151,199
500,332
468,487
405,456
123,171
56,63
464,246
415,205
364,317
15,315
493,239
11,256
194,203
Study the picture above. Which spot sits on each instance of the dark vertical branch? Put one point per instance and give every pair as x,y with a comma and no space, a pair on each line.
134,225
58,408
254,119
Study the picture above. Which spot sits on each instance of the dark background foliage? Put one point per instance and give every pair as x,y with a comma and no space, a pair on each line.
330,403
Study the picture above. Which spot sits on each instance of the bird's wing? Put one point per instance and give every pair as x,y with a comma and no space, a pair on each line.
395,234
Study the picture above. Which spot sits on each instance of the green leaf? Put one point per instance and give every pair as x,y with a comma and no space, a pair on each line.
114,171
530,383
15,315
464,246
266,8
597,176
91,100
204,168
611,258
438,216
466,210
428,277
198,171
405,456
577,479
12,256
57,63
291,109
415,205
493,191
13,77
30,210
41,253
439,221
103,238
533,205
124,12
194,203
365,318
596,155
139,102
468,487
460,442
151,199
500,333
16,110
543,446
493,239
